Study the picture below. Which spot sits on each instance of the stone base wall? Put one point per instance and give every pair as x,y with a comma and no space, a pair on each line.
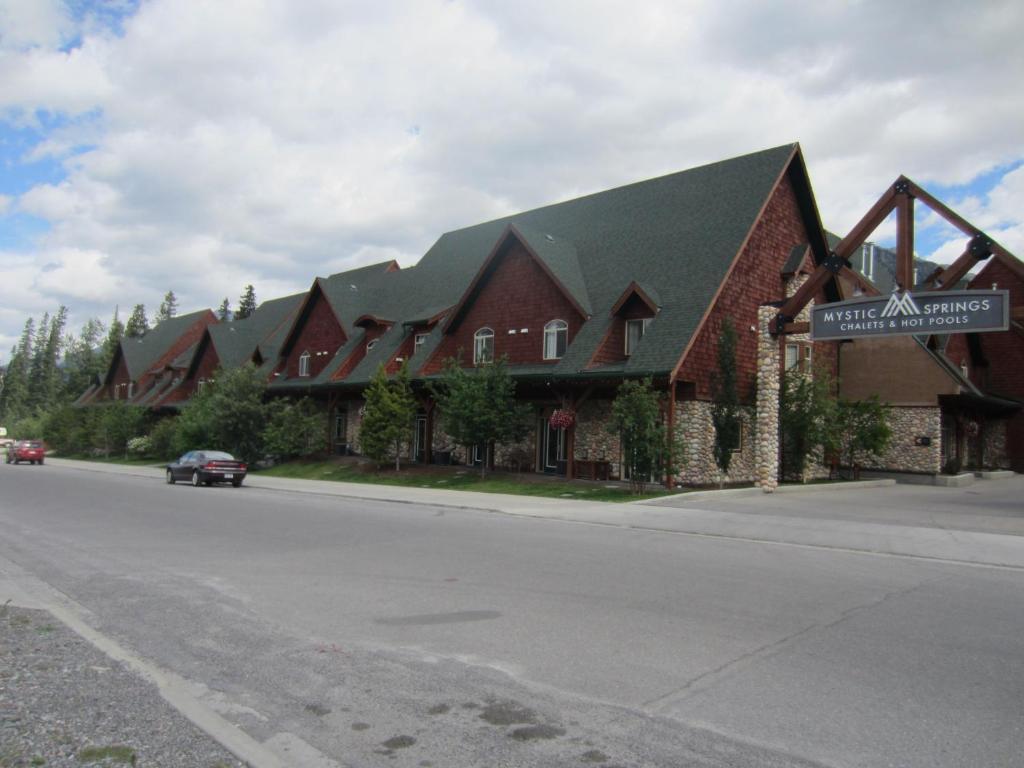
593,440
903,454
695,434
996,456
520,456
353,420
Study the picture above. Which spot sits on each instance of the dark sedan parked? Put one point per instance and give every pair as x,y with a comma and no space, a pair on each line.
207,467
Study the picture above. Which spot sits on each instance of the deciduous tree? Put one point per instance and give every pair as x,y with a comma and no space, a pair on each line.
636,419
478,406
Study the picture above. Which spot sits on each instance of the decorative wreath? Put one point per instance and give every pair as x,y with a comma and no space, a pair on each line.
562,418
972,429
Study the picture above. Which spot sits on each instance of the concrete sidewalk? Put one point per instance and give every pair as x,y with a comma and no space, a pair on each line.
678,514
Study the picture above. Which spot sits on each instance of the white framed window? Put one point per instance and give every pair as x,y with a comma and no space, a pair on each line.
635,330
483,346
556,339
418,341
304,364
792,356
371,344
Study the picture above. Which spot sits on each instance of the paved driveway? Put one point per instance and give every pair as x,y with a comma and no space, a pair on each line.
988,506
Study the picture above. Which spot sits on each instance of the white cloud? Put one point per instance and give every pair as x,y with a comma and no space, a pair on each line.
29,23
238,142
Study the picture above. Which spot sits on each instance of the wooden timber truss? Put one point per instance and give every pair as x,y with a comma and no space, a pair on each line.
899,197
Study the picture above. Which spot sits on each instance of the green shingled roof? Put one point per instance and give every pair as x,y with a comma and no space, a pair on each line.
560,257
236,341
143,352
679,232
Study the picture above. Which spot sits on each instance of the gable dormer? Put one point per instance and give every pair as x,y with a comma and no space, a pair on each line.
315,336
418,341
373,327
629,318
531,282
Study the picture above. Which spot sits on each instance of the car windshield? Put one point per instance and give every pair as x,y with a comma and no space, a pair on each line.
34,444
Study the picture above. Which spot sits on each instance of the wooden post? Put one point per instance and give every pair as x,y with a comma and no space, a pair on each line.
670,479
570,443
904,238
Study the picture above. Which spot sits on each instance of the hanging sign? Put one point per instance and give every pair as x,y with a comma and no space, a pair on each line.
903,314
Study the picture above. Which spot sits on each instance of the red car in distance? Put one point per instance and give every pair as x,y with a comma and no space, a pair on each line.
31,451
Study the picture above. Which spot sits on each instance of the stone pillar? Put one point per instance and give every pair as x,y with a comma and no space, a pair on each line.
766,429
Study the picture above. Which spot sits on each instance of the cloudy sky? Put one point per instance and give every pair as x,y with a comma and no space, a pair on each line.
199,146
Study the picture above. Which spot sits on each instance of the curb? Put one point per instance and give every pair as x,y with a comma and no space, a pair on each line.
29,591
853,485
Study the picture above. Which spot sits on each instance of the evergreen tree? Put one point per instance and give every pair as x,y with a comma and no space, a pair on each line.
52,375
137,324
725,409
114,335
224,311
83,359
478,406
388,416
246,304
37,367
13,398
168,307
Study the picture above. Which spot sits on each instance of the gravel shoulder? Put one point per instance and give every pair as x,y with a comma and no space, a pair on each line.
65,703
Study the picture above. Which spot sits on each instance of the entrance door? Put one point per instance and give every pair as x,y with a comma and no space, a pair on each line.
419,451
552,443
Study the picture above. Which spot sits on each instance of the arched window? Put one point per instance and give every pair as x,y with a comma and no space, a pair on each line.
483,346
371,344
556,338
304,364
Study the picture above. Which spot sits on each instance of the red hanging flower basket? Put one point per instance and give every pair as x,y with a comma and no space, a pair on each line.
562,418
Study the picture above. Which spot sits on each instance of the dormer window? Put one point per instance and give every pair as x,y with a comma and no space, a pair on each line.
635,330
371,344
483,346
419,341
556,338
304,364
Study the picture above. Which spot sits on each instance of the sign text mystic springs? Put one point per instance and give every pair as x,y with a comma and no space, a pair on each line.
912,314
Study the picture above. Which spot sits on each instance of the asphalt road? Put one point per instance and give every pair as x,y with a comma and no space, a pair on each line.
375,633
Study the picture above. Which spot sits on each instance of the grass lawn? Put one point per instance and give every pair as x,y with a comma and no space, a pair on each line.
457,479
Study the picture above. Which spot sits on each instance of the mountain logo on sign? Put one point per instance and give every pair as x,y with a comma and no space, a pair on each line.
901,305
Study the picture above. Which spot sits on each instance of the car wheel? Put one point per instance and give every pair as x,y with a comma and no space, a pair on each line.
196,482
170,477
237,483
40,461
